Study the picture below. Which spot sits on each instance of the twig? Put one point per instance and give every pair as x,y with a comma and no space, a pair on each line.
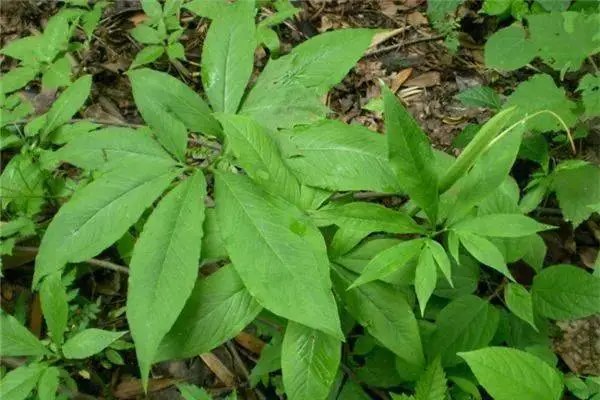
403,44
95,262
240,363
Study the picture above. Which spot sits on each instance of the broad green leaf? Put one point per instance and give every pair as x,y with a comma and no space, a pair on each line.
366,217
432,384
16,78
508,374
576,189
207,9
441,259
496,7
566,292
535,252
509,49
22,184
485,252
501,225
425,277
176,51
67,104
589,86
18,383
57,75
228,56
541,93
99,213
358,258
309,362
24,49
386,315
480,96
270,240
319,63
336,156
104,148
467,323
519,302
258,153
344,240
389,260
212,247
146,35
48,384
17,341
217,310
192,392
170,108
147,55
554,5
89,342
411,156
68,132
379,368
465,279
55,306
164,267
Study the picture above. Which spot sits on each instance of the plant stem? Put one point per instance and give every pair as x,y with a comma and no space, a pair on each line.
95,262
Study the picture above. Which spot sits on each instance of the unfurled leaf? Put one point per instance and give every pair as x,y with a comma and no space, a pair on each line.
25,49
566,292
519,302
147,55
389,260
22,184
170,108
411,156
48,384
146,34
386,315
509,49
164,267
480,96
441,259
18,383
535,252
176,51
576,189
55,306
309,362
347,157
100,213
467,323
89,342
508,374
217,310
67,104
589,86
58,74
501,225
432,384
212,247
269,239
207,9
17,341
16,78
485,252
425,277
228,56
192,392
269,360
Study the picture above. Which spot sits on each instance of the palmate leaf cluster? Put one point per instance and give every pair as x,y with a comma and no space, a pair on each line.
293,244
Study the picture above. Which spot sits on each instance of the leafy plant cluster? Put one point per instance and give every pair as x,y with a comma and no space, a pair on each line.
391,294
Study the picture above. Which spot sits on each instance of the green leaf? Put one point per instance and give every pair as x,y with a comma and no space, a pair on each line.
508,374
554,5
348,157
146,35
566,292
212,247
22,184
441,259
164,267
176,51
366,217
386,315
269,239
109,147
58,74
192,392
228,56
99,214
540,93
389,260
425,277
147,55
207,9
496,7
48,384
171,108
535,252
17,341
467,323
485,252
309,362
519,302
432,384
269,361
25,49
501,225
55,306
411,156
89,342
67,104
480,96
18,383
16,78
589,86
465,279
576,189
217,310
509,49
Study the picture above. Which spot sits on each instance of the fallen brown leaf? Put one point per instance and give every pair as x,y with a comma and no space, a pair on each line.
399,78
131,387
250,342
428,79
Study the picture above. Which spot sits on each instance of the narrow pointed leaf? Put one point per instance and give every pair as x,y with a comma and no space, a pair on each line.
485,252
519,302
425,277
89,342
501,225
55,307
18,383
441,259
67,104
48,384
17,341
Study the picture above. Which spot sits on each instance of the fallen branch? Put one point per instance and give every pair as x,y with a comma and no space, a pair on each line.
403,44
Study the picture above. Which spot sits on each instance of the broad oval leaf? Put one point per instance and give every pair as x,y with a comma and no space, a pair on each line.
467,323
17,341
55,306
164,267
18,383
270,240
501,225
566,292
309,362
509,49
217,310
228,56
67,104
48,384
89,342
519,302
509,374
99,214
